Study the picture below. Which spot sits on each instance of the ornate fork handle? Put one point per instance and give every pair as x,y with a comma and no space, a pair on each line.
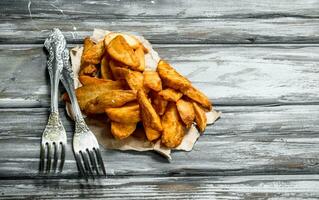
55,45
68,82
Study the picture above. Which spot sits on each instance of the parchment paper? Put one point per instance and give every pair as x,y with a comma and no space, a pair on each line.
101,128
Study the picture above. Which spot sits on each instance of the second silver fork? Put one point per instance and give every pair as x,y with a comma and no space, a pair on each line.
85,146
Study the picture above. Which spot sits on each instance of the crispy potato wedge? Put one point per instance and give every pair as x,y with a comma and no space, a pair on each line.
197,96
87,45
119,50
152,80
186,111
135,80
173,128
93,54
106,72
130,39
121,131
139,52
109,99
87,80
158,103
149,115
152,134
86,93
200,117
118,70
129,113
88,69
170,77
170,94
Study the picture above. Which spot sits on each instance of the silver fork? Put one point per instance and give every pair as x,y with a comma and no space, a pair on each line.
85,146
54,136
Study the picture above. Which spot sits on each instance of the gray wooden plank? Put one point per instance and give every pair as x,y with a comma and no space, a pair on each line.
228,74
159,30
246,140
227,187
161,8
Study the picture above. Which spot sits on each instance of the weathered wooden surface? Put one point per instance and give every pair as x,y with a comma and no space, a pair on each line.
280,139
258,61
228,187
164,21
229,75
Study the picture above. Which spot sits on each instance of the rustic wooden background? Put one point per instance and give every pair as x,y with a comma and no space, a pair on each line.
257,60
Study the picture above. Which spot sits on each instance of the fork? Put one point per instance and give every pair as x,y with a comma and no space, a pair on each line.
54,136
85,146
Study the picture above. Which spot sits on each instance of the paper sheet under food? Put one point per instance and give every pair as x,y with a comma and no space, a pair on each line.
101,128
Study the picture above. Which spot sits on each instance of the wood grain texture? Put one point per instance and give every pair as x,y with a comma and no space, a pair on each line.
164,21
229,75
246,140
162,8
175,31
227,187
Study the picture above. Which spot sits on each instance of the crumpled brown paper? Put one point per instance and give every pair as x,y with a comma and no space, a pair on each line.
101,129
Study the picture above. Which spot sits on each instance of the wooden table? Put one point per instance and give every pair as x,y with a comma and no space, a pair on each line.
257,60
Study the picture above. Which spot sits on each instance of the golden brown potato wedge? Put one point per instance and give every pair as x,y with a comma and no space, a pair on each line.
119,71
129,113
139,52
149,115
87,80
158,103
106,72
173,128
119,50
134,79
130,39
170,94
152,80
86,93
170,77
152,134
87,44
186,111
88,69
197,96
93,55
109,99
200,117
121,131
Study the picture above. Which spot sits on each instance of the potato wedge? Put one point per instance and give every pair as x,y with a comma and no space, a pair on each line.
149,115
170,77
186,111
173,128
93,55
87,80
197,96
139,52
87,45
121,131
152,80
88,69
119,50
109,99
158,103
119,71
130,39
129,113
170,94
86,93
200,117
152,134
135,80
106,72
